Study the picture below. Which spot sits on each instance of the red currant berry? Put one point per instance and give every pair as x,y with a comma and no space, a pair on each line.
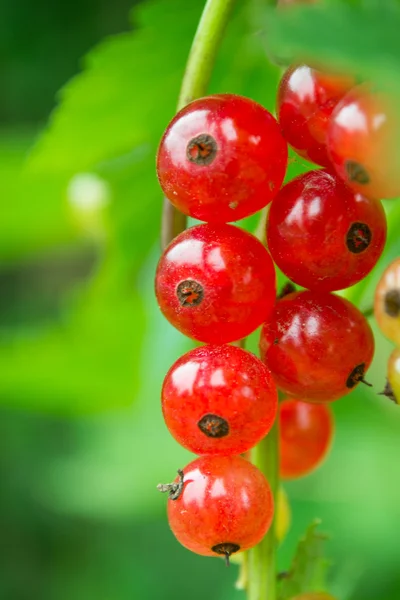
225,506
363,138
216,283
305,435
219,400
322,235
387,302
317,345
306,99
222,158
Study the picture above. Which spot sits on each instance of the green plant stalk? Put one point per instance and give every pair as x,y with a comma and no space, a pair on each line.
261,560
195,82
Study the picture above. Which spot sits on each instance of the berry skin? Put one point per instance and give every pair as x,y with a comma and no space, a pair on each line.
317,345
306,99
362,142
387,302
219,400
216,284
322,235
305,432
222,158
283,517
226,506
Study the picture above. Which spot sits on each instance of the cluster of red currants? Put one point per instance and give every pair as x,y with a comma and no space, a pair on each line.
223,158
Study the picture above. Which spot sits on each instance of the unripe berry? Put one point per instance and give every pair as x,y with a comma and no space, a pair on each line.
387,302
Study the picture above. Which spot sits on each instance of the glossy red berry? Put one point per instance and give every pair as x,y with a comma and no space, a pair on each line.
306,99
322,235
219,400
216,283
305,435
387,302
225,506
222,158
318,346
363,143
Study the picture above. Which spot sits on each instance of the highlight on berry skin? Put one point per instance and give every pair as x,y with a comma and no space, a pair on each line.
387,302
216,283
322,235
226,506
222,158
363,137
317,345
305,436
305,101
219,400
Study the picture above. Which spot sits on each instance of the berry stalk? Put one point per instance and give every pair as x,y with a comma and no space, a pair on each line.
197,75
261,560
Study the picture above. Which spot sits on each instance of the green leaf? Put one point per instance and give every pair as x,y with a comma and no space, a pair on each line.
360,38
308,569
128,90
109,123
87,362
33,215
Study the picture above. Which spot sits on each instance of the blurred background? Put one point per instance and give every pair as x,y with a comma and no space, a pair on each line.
83,348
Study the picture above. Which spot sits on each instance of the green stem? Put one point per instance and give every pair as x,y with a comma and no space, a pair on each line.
197,76
204,50
261,560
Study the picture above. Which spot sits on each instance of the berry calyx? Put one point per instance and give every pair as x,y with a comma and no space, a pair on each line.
174,489
219,400
322,235
305,434
387,302
216,283
226,506
318,346
362,142
222,158
306,99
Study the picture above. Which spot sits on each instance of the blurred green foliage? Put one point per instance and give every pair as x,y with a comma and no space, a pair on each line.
83,348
